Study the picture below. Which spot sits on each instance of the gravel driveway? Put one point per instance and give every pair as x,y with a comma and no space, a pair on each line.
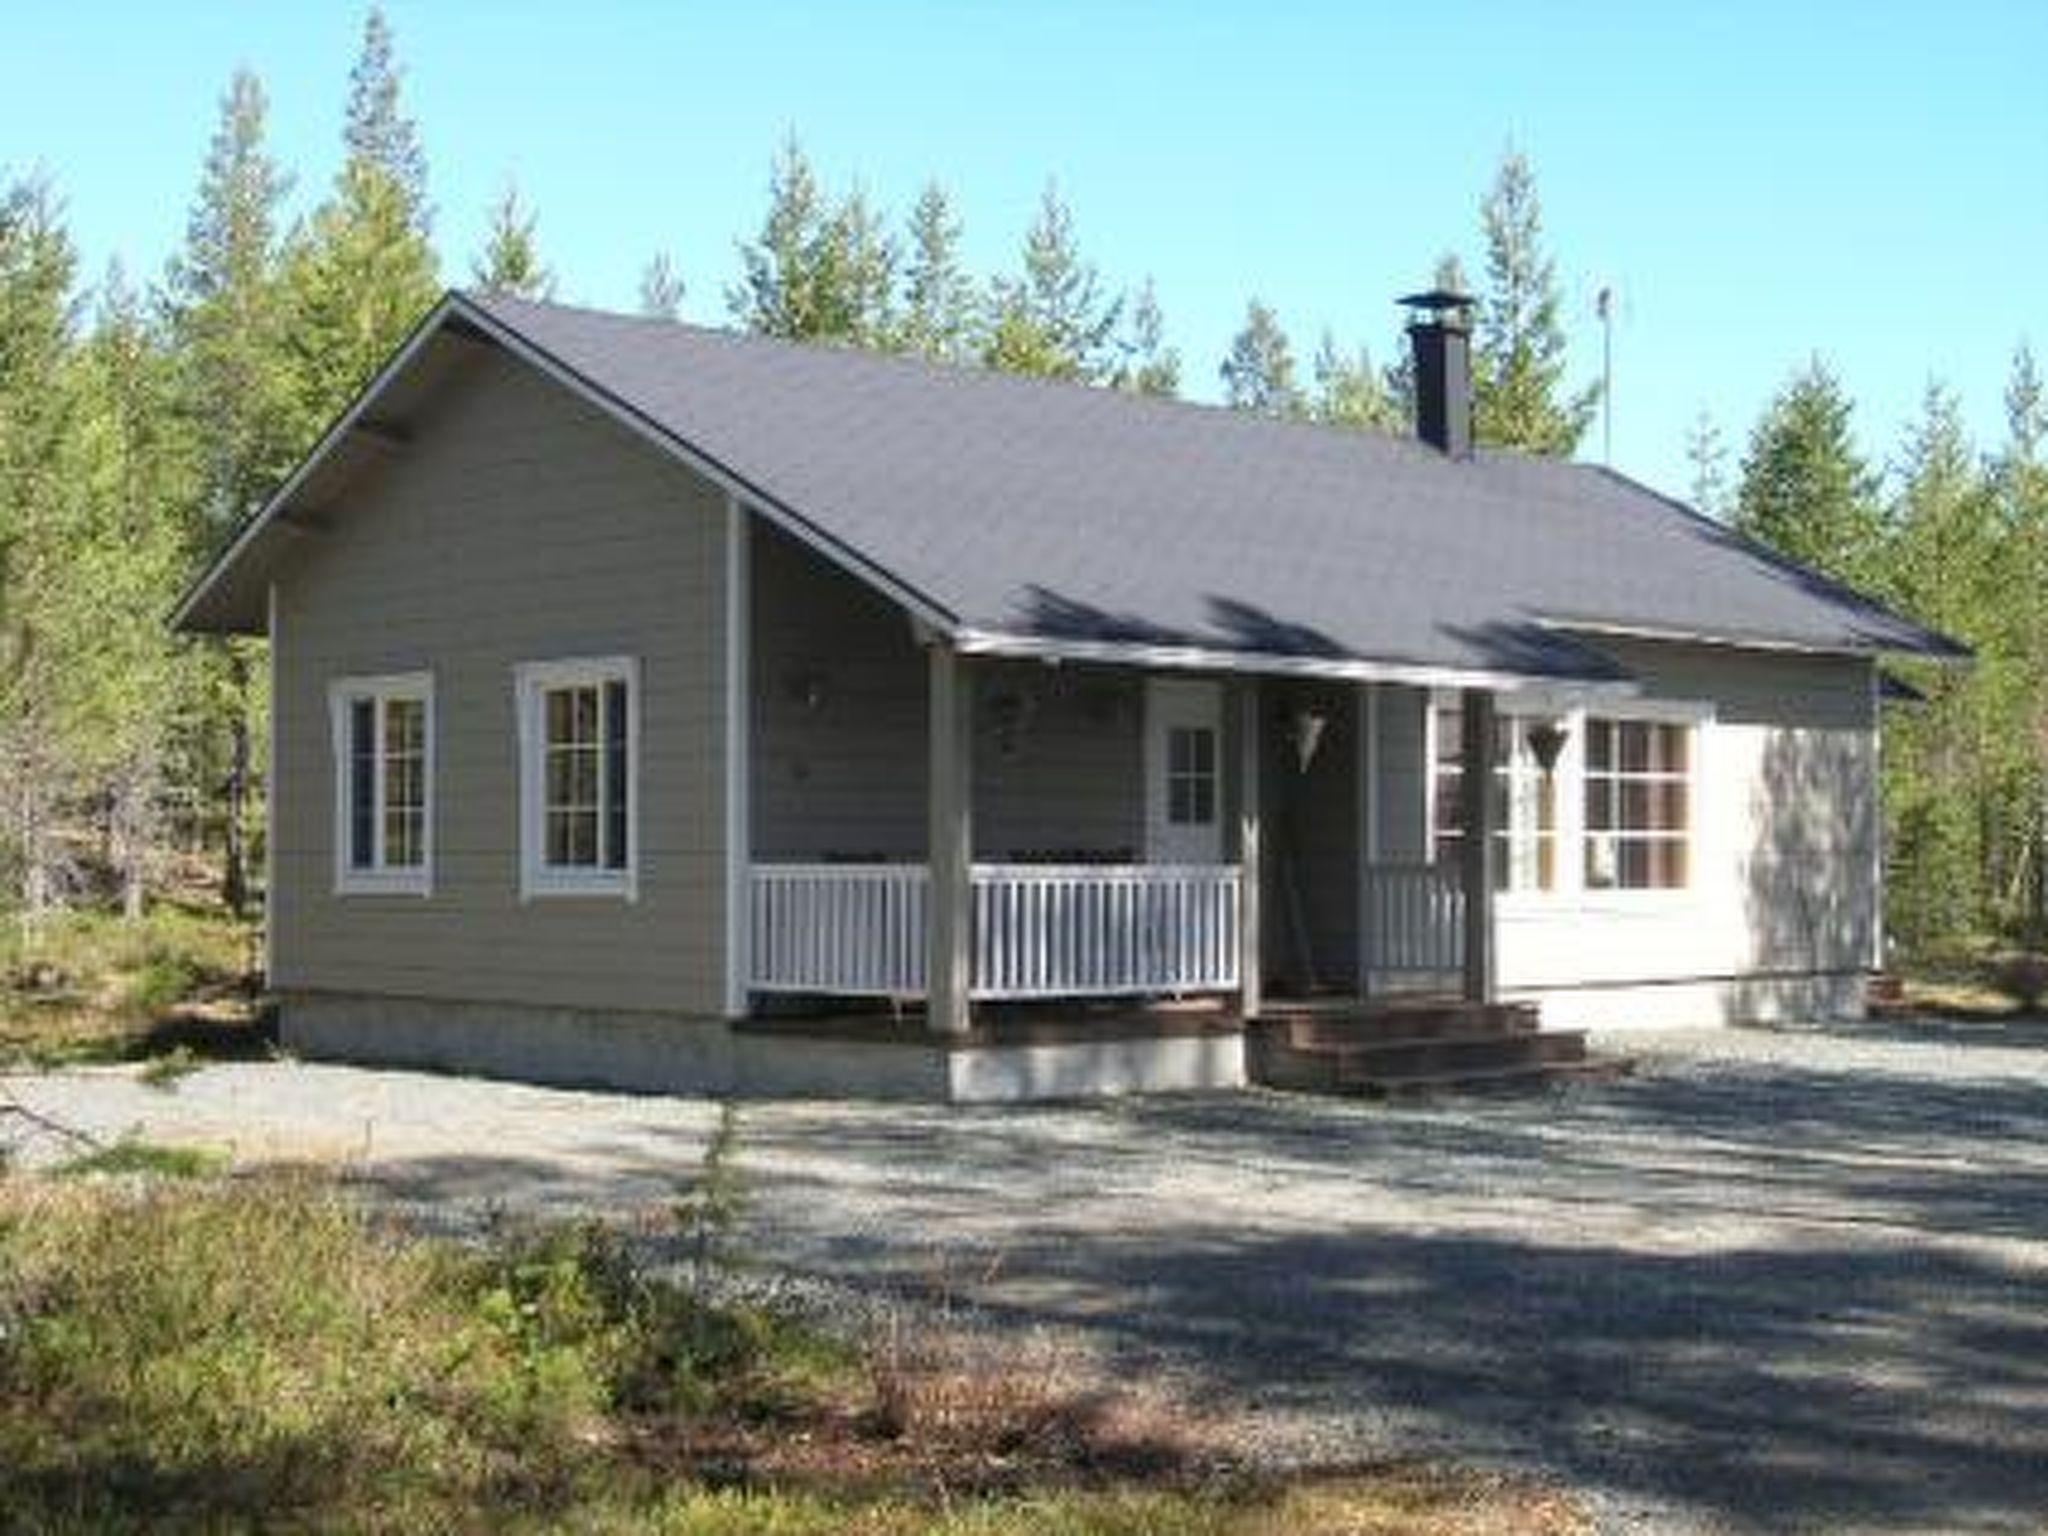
1778,1281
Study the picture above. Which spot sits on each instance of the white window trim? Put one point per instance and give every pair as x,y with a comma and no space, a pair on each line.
1572,712
530,679
378,880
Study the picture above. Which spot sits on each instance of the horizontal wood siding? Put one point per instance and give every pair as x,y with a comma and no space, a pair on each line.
519,525
840,745
1785,816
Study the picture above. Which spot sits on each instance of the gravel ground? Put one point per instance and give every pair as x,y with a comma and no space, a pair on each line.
1777,1281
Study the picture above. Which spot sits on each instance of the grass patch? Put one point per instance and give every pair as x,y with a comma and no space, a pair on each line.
130,1155
89,986
232,1354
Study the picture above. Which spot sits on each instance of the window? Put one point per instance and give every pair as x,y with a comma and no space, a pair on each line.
579,726
383,756
1638,804
1524,800
1190,776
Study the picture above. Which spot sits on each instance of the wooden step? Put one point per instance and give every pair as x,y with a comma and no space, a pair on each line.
1421,1064
1456,1053
1499,1020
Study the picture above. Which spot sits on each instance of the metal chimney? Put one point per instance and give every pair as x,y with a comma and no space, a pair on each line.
1440,331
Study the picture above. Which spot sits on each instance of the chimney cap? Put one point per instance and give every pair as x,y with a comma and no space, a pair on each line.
1435,302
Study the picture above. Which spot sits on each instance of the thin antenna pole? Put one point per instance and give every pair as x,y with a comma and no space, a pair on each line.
1605,305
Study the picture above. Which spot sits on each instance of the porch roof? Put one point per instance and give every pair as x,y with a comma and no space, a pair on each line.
1023,516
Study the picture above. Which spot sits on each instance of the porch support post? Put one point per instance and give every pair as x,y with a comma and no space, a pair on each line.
739,731
949,957
1250,811
1475,790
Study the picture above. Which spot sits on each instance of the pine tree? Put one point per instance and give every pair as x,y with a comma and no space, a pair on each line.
938,296
1054,319
1708,455
510,262
1149,365
1805,490
226,307
126,686
661,288
38,410
817,271
1351,392
364,271
2019,480
1518,368
1258,372
240,386
776,295
856,270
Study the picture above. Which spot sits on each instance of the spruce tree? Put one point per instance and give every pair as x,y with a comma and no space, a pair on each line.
1258,372
1518,364
1805,490
510,262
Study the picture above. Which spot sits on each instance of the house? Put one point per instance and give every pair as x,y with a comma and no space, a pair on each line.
652,705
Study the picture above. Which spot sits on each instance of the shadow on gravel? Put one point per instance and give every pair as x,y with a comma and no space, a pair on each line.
1790,1298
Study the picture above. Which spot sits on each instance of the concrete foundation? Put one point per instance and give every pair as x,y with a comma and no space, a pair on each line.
1700,1004
655,1053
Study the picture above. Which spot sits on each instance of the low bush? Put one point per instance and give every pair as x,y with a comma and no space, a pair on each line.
87,985
2023,979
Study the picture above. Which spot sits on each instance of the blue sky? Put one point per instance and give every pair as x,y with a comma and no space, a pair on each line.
1759,182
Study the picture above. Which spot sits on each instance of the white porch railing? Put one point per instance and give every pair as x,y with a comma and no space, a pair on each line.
1038,930
1415,916
855,929
1079,930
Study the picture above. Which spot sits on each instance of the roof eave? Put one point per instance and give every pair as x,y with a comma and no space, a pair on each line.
1157,656
1937,648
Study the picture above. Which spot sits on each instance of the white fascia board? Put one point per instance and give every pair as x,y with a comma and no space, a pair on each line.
1192,658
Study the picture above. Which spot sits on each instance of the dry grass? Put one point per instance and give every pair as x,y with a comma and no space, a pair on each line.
227,1354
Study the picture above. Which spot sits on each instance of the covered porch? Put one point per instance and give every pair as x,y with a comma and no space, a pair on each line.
953,837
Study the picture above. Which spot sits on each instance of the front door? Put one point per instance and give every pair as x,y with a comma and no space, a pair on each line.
1183,772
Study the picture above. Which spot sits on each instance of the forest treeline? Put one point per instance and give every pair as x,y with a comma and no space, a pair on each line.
141,420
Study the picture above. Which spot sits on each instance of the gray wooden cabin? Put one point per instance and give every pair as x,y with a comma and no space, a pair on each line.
670,709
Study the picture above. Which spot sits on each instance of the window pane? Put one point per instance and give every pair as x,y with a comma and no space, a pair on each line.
362,793
616,776
1633,741
1599,745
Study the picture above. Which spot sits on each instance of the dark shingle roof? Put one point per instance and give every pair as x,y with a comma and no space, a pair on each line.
1052,513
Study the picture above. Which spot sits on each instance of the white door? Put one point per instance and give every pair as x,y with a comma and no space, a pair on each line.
1183,772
